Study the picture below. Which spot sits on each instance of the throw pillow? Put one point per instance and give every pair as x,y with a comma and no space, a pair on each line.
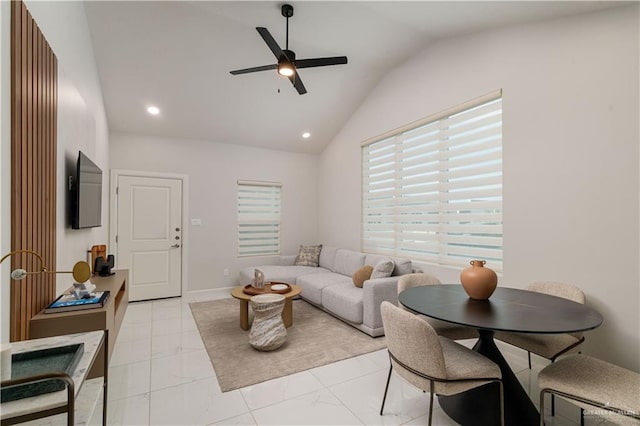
403,267
361,275
383,269
308,255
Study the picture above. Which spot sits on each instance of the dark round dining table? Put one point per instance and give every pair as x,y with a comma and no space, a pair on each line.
508,309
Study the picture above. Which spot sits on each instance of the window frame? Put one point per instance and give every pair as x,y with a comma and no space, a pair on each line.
264,218
419,223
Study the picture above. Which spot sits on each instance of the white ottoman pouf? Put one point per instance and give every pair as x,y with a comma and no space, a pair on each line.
268,331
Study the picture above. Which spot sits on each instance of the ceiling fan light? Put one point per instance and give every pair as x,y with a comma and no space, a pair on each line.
285,69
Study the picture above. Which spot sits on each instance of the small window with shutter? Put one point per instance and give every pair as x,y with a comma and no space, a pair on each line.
258,218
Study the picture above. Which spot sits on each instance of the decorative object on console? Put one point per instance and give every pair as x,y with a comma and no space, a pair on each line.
100,262
258,278
361,275
103,266
308,256
479,282
81,270
69,302
99,250
83,290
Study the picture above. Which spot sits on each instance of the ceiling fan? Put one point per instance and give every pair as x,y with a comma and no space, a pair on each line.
287,64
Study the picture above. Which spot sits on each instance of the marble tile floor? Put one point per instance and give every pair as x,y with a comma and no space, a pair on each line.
160,374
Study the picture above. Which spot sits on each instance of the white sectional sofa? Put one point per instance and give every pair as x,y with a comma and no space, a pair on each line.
330,285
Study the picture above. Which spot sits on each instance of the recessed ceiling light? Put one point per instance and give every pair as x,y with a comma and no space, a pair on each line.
306,135
153,110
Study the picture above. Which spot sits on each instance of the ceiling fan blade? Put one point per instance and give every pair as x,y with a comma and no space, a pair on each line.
255,69
297,83
320,62
266,36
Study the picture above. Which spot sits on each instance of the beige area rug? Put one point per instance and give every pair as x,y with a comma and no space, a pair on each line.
315,338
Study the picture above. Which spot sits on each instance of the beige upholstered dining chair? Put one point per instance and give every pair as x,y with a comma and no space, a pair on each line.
431,362
443,328
591,383
549,346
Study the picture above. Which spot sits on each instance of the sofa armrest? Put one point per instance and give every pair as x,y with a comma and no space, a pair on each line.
288,260
377,291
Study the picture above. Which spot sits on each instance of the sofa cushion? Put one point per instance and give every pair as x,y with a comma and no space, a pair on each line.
288,260
347,262
361,275
308,255
383,269
328,257
374,259
286,274
312,285
344,300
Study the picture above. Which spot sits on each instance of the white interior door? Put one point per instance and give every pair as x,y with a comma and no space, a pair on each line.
149,235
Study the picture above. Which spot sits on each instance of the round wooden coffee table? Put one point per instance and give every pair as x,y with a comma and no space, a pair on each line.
287,311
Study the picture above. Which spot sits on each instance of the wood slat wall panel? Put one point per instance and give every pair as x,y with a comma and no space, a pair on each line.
33,163
16,131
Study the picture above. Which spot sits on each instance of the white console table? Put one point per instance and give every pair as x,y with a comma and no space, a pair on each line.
36,407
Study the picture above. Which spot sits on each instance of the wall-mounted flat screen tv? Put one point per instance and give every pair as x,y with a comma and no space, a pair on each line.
86,195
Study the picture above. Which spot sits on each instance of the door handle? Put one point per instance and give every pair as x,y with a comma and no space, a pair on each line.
175,246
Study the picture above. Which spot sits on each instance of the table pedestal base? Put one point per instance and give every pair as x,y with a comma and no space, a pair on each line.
481,406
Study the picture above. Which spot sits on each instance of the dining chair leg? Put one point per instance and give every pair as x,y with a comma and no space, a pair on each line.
542,408
529,356
501,403
581,416
553,399
386,388
431,390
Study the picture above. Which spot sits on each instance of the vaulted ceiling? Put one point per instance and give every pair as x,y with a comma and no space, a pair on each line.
177,55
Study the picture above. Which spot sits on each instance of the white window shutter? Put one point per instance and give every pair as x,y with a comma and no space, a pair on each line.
432,191
258,218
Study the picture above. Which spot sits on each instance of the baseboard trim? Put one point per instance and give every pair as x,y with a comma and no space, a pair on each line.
208,294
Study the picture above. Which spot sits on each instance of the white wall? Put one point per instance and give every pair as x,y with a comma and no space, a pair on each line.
213,170
76,132
80,126
82,122
571,155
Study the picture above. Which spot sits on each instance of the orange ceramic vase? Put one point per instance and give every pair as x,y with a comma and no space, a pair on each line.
479,282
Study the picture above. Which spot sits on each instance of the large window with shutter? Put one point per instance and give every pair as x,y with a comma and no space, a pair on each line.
258,218
432,190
